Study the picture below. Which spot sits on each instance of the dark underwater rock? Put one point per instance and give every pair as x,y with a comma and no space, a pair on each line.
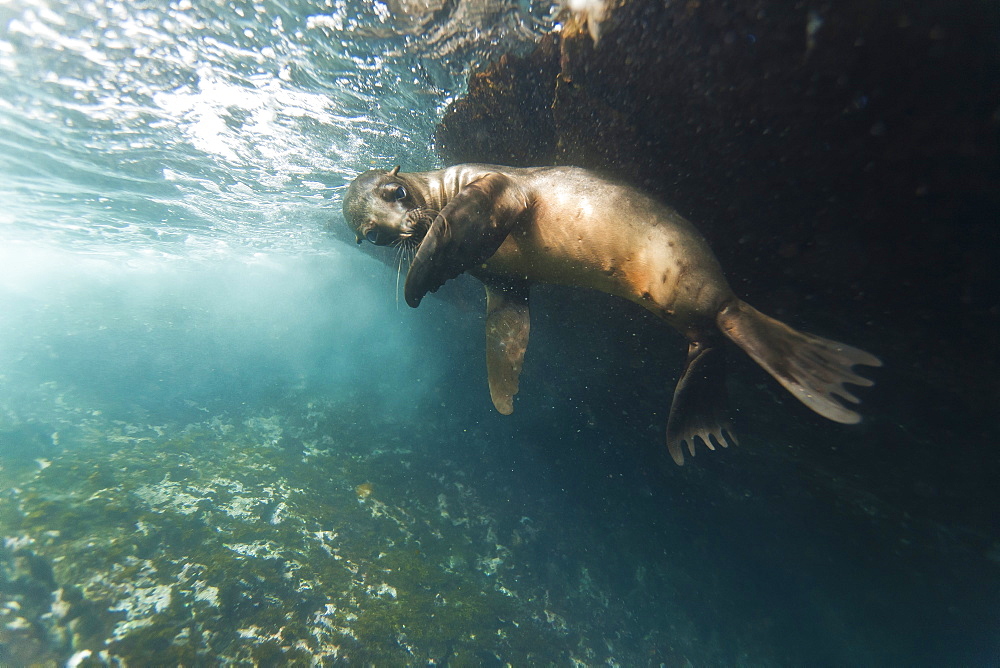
842,159
843,154
507,112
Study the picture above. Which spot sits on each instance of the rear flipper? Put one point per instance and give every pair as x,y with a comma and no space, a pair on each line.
507,326
701,406
812,368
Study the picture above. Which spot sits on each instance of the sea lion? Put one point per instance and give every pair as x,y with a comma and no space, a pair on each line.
511,227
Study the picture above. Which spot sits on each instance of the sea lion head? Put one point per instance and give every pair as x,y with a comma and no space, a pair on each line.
387,208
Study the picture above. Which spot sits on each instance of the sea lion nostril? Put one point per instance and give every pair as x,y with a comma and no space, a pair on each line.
372,236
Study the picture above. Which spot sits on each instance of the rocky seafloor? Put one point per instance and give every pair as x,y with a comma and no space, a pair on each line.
292,537
311,530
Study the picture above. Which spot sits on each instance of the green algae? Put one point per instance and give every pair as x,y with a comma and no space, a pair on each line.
249,541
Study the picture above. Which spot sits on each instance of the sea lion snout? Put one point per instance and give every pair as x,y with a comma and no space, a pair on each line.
382,208
417,222
390,229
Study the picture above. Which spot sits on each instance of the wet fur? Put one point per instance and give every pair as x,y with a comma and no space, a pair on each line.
512,227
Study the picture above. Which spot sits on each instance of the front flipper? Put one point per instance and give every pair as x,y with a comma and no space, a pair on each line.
701,406
507,328
466,233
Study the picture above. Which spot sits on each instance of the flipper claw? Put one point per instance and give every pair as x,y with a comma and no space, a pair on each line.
700,407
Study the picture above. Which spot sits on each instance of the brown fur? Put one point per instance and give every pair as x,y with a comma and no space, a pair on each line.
512,227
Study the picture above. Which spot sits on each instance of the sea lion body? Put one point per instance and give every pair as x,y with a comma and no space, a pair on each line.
512,227
588,232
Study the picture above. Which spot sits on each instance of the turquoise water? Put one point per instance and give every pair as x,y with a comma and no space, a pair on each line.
171,179
225,438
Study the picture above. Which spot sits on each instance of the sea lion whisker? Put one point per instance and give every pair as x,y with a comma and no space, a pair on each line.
406,250
400,254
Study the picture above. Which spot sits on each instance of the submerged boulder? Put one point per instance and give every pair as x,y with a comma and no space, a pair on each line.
841,159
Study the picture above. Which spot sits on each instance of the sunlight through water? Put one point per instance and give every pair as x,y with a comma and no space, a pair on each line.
196,128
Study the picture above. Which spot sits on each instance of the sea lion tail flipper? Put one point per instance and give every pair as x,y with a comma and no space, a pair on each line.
700,408
466,233
812,368
507,326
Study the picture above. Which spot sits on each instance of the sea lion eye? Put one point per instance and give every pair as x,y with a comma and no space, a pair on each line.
399,193
371,235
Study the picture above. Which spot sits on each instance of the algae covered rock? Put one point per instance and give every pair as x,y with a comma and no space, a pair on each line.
252,540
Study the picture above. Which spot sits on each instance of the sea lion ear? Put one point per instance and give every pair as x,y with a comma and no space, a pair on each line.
394,171
466,233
